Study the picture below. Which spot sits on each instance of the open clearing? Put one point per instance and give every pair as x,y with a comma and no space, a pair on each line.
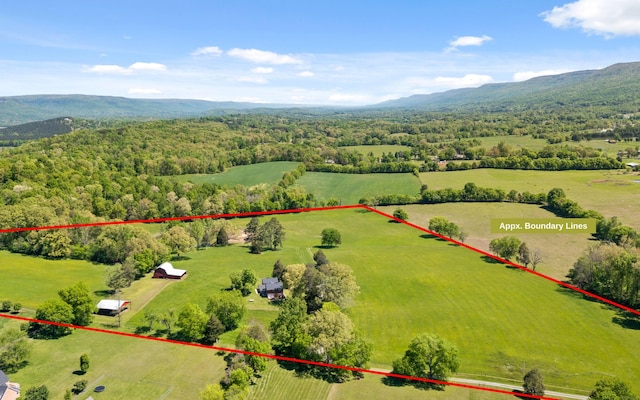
349,188
501,319
377,150
246,175
612,193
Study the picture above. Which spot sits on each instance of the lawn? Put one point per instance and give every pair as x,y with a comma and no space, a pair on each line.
609,192
349,188
246,175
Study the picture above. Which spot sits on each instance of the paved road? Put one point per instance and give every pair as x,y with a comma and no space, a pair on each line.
547,393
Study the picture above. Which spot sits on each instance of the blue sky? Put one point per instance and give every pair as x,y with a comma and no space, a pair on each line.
311,52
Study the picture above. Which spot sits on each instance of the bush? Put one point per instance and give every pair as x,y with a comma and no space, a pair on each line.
79,386
6,305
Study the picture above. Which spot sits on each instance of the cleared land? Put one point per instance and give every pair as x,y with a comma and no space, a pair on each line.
246,175
559,250
500,318
349,188
377,150
612,193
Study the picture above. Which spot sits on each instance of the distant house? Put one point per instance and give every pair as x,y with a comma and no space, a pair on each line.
8,390
271,288
166,271
112,307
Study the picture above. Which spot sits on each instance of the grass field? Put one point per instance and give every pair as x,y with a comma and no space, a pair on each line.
246,175
559,250
500,318
609,192
377,150
349,188
32,280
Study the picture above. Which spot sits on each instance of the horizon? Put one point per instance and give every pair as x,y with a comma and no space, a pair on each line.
313,54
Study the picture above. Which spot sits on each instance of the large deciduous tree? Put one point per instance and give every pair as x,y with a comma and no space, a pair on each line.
612,389
81,301
533,383
54,310
178,240
192,322
228,307
505,247
428,356
331,237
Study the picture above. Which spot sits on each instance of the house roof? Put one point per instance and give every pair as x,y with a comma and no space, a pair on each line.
111,304
269,280
168,268
3,377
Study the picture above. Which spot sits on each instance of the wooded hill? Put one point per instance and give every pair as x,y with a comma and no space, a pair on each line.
614,87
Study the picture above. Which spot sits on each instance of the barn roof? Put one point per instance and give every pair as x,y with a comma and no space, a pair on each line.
111,304
168,268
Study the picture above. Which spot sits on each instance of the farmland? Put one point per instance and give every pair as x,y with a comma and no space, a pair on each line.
410,283
349,188
246,175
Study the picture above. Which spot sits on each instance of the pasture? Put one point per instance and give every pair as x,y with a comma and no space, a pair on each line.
500,318
612,193
245,175
349,188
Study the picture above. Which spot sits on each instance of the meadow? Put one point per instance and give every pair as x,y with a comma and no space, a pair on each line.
502,319
350,188
377,150
245,175
612,193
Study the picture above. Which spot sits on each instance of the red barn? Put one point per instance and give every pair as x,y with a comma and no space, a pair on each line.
166,271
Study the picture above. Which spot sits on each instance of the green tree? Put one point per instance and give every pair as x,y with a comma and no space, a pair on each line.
331,237
533,383
212,392
612,389
320,258
428,356
192,321
278,270
228,307
251,229
54,310
505,247
79,386
67,394
443,227
36,393
401,214
212,330
6,305
121,276
81,301
17,307
222,238
524,256
84,363
248,343
289,334
178,240
14,350
243,281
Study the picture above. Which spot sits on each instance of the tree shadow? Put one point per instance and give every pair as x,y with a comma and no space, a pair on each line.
491,260
627,320
78,372
102,293
429,236
180,258
324,247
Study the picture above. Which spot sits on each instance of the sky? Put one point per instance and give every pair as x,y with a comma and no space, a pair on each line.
303,52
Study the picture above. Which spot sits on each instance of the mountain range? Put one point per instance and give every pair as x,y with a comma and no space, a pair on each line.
614,88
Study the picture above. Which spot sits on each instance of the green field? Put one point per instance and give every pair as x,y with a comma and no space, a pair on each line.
349,188
246,175
377,150
609,192
500,318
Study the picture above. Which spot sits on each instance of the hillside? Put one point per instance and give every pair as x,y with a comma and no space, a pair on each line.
615,86
22,109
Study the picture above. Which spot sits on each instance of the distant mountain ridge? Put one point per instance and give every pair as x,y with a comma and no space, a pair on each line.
613,86
15,110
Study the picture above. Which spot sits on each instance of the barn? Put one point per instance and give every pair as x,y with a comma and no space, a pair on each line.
112,307
166,271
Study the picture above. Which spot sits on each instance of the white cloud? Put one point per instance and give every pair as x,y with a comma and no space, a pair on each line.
252,79
135,67
207,51
107,69
262,70
305,74
469,41
264,57
525,75
601,17
142,66
144,91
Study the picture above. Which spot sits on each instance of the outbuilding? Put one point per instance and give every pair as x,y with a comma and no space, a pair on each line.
166,271
8,390
112,307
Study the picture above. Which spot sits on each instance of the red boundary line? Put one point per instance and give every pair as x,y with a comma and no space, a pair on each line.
296,360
